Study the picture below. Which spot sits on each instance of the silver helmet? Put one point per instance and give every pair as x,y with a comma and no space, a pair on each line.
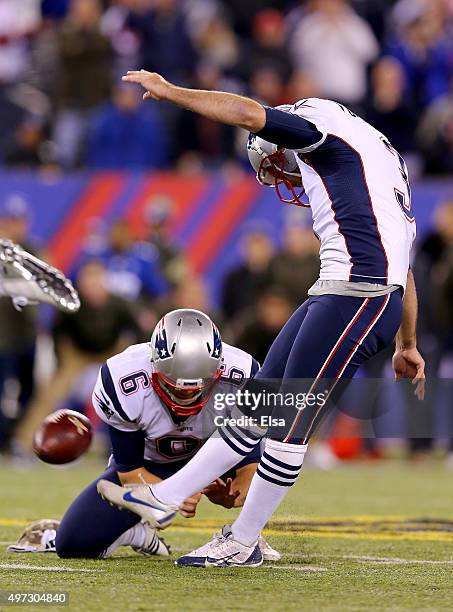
186,352
274,165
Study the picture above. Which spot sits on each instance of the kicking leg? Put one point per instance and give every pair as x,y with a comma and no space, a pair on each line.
337,335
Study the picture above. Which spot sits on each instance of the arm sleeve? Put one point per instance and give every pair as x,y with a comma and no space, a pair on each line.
107,405
128,448
291,131
255,367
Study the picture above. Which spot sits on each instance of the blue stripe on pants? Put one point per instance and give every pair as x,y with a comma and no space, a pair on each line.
329,337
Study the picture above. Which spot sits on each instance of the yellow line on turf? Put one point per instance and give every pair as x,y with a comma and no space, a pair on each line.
341,531
7,522
206,526
434,537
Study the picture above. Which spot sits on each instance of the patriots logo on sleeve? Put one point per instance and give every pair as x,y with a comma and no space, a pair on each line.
103,403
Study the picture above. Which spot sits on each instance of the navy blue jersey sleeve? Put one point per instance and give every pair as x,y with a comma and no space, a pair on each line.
128,448
255,367
290,131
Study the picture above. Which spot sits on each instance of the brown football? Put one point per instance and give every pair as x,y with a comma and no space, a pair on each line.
62,437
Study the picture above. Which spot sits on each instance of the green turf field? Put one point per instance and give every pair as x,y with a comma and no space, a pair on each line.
369,536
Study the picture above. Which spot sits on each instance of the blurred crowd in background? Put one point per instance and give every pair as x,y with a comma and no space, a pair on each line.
62,101
63,106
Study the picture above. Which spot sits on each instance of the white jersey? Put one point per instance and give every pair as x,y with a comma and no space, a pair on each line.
359,194
124,398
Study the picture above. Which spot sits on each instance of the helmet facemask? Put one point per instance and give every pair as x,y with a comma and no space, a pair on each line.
271,173
184,398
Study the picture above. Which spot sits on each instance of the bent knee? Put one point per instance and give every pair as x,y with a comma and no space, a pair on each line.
69,546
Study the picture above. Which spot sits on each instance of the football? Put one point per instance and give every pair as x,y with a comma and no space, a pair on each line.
62,437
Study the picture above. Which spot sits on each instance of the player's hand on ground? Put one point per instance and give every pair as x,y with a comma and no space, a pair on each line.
408,363
156,86
222,493
189,507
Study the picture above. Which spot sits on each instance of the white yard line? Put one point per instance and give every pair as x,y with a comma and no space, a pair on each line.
397,560
46,568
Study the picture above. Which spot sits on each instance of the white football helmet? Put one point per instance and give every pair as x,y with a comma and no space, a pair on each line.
275,165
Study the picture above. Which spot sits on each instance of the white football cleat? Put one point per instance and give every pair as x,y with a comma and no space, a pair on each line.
269,553
138,499
223,551
197,558
153,546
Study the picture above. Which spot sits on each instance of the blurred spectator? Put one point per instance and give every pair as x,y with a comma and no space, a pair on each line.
210,141
83,77
268,47
124,42
301,86
296,267
243,13
218,45
387,108
132,269
16,25
435,134
158,215
12,115
191,292
102,320
18,332
433,274
334,46
246,281
422,47
432,271
103,326
375,13
28,149
126,133
165,44
272,310
266,86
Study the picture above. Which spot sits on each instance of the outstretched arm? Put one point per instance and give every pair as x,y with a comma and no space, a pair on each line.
284,129
216,105
407,361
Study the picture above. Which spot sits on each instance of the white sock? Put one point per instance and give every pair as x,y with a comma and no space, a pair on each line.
135,536
218,455
277,470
